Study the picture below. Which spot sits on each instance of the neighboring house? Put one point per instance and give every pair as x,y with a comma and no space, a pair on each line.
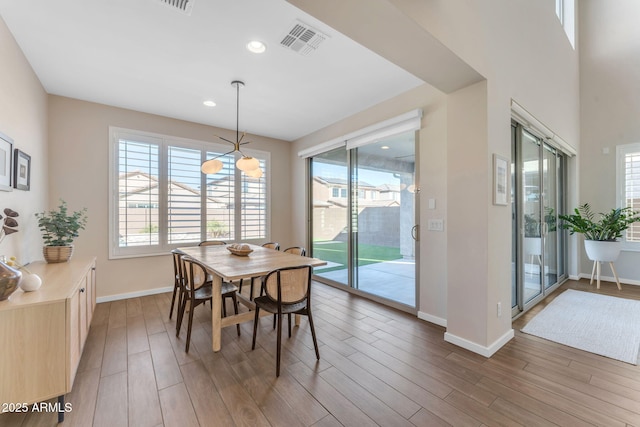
139,205
330,192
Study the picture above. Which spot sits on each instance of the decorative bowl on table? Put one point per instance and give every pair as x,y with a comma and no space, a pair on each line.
239,249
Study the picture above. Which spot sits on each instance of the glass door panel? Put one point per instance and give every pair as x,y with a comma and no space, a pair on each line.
330,214
531,191
383,215
550,202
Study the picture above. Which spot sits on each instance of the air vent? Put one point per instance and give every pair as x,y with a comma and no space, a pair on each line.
183,6
303,38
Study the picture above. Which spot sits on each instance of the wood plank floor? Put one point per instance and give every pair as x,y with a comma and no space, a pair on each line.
378,367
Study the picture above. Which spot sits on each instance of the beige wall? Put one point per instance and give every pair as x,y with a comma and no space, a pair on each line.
78,155
523,52
23,117
609,64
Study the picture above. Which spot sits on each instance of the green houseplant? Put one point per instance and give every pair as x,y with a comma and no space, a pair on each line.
59,229
604,227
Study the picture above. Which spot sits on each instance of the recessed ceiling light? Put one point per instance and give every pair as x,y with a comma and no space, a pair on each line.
256,46
209,103
385,147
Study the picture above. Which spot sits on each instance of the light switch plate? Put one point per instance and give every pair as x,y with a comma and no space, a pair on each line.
435,225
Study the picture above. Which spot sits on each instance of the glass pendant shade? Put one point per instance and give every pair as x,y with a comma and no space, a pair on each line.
211,166
256,173
247,164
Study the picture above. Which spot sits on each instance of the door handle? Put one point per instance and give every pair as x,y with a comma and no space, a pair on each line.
414,232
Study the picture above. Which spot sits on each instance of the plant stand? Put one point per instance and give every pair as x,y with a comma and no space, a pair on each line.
596,269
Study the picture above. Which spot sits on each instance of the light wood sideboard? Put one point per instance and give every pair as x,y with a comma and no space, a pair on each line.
42,333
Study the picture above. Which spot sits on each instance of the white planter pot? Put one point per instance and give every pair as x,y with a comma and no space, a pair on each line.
605,251
533,246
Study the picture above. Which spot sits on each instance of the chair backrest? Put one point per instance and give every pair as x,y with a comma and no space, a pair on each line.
272,245
212,243
195,274
296,250
288,285
177,267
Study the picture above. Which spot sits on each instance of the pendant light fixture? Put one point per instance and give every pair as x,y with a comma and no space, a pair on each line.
247,164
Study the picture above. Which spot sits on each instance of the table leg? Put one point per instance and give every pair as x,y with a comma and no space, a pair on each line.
216,310
298,317
598,271
615,274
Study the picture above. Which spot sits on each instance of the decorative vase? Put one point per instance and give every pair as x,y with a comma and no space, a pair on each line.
604,251
9,280
53,254
30,282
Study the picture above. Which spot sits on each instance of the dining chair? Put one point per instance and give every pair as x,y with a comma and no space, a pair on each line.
196,290
296,250
287,291
270,245
212,243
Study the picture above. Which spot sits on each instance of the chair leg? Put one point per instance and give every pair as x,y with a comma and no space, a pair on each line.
251,289
224,306
275,316
181,309
191,309
173,301
313,334
255,329
235,309
279,340
289,323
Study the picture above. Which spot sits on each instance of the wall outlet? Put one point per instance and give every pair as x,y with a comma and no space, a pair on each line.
499,309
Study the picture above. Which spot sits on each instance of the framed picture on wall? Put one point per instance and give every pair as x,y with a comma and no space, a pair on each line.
500,180
6,151
21,170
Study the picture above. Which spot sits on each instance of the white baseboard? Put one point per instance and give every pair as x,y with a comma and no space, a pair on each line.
134,294
610,279
432,319
477,348
572,277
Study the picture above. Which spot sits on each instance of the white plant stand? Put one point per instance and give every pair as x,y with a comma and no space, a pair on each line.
603,251
596,271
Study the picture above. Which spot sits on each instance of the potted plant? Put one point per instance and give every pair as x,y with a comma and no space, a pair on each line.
59,229
601,234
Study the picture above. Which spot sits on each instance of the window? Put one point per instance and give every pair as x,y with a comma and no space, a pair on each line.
628,183
157,203
335,192
565,11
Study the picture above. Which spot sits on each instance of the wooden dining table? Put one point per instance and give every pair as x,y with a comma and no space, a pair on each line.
225,266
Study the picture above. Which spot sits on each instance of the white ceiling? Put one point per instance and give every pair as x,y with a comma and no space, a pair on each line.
147,56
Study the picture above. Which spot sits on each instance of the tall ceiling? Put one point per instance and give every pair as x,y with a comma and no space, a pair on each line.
147,56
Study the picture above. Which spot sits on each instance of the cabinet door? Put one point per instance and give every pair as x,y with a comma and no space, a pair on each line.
75,346
84,326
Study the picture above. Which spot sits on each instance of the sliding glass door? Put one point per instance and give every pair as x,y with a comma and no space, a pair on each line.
364,217
538,194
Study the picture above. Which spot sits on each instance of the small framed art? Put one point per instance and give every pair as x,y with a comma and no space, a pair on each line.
500,180
21,170
6,151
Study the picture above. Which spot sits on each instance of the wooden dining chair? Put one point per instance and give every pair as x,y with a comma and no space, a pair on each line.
270,245
287,291
196,290
212,243
296,250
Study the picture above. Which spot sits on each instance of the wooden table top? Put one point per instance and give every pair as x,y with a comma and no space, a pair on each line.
259,262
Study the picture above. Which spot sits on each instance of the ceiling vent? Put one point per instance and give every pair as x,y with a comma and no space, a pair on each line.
183,6
303,38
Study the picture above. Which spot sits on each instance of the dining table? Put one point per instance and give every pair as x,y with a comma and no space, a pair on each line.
226,266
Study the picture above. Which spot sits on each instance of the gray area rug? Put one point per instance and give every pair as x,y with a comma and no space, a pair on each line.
600,324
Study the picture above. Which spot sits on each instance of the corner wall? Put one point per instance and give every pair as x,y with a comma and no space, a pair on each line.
23,117
609,64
